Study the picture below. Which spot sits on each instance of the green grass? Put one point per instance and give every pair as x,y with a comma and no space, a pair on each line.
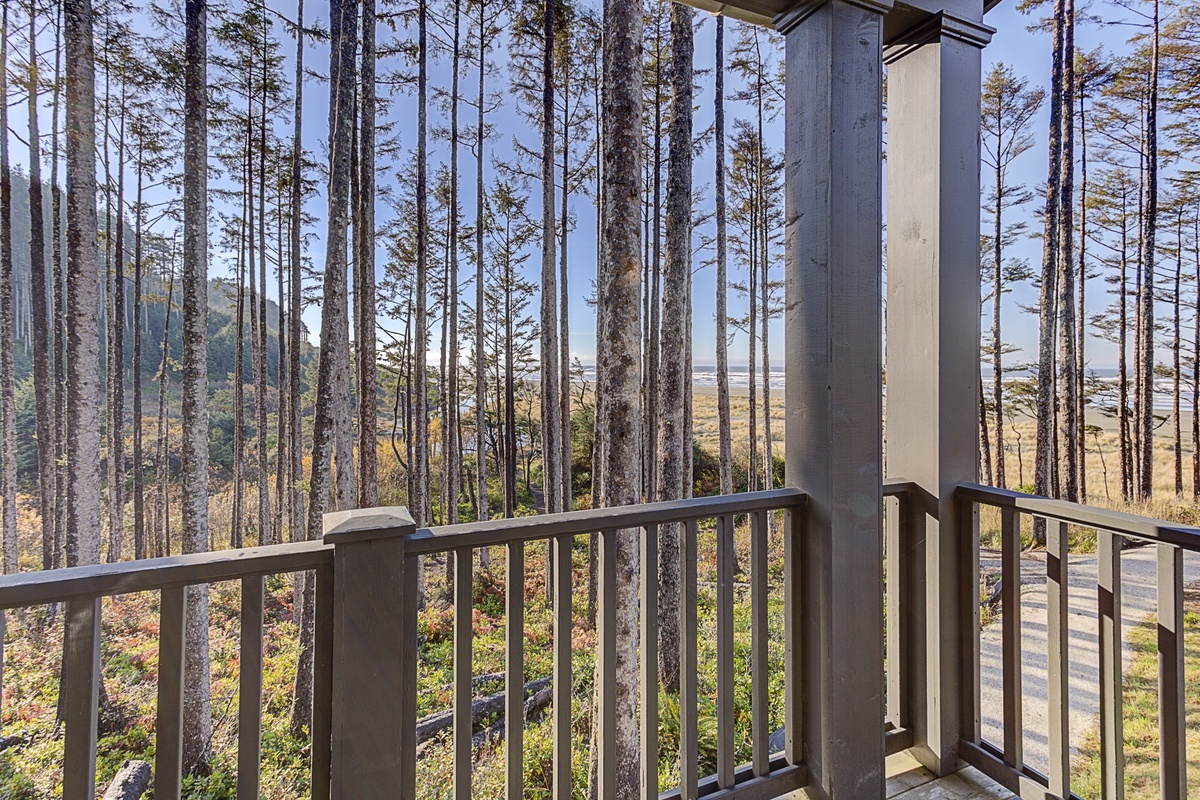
1141,714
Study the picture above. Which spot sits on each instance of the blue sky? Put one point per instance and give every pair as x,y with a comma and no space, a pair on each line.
1028,53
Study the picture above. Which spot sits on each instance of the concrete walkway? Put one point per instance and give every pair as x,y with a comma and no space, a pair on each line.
1139,601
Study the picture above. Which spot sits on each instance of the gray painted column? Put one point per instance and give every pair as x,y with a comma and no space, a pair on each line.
374,654
833,387
933,359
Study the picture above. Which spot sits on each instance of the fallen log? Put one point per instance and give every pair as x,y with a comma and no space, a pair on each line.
130,782
431,726
494,734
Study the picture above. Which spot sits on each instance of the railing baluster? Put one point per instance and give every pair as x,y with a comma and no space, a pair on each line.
725,708
463,633
514,672
793,663
1172,759
322,728
408,678
562,665
649,661
971,716
606,738
250,689
168,748
1112,715
689,778
893,534
1010,622
81,697
1058,677
760,699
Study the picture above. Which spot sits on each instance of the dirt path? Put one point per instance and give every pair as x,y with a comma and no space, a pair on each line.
1139,601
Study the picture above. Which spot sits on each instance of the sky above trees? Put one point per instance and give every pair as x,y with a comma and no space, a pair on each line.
1026,51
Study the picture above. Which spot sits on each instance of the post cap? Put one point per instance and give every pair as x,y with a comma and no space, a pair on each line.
363,524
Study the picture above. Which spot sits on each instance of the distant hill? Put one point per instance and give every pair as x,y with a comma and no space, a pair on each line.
222,299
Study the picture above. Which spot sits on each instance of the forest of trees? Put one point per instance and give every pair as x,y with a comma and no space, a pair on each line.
1117,216
161,238
171,212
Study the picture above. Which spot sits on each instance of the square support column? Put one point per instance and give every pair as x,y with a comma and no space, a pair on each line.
933,366
833,391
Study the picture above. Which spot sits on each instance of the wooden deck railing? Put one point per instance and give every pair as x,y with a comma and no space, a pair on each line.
366,658
364,719
1004,761
83,588
365,768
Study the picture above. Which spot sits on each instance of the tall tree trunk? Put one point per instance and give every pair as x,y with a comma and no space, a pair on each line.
1196,365
1149,252
677,275
252,249
364,270
8,408
598,439
40,294
653,344
1081,315
197,696
453,454
510,398
1068,409
621,366
260,388
1047,318
282,375
139,500
985,449
997,340
420,318
1123,365
334,318
551,410
567,492
296,527
239,425
724,430
60,322
116,454
481,489
162,543
1176,370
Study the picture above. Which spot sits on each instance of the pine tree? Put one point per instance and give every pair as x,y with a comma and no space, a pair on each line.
364,269
8,408
334,322
1009,106
725,434
197,697
619,385
40,310
676,338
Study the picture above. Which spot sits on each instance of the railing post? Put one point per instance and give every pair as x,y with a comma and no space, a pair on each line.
374,655
933,355
833,391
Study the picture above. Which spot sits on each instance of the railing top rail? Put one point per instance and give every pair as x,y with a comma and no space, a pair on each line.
1120,522
493,533
895,487
124,577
